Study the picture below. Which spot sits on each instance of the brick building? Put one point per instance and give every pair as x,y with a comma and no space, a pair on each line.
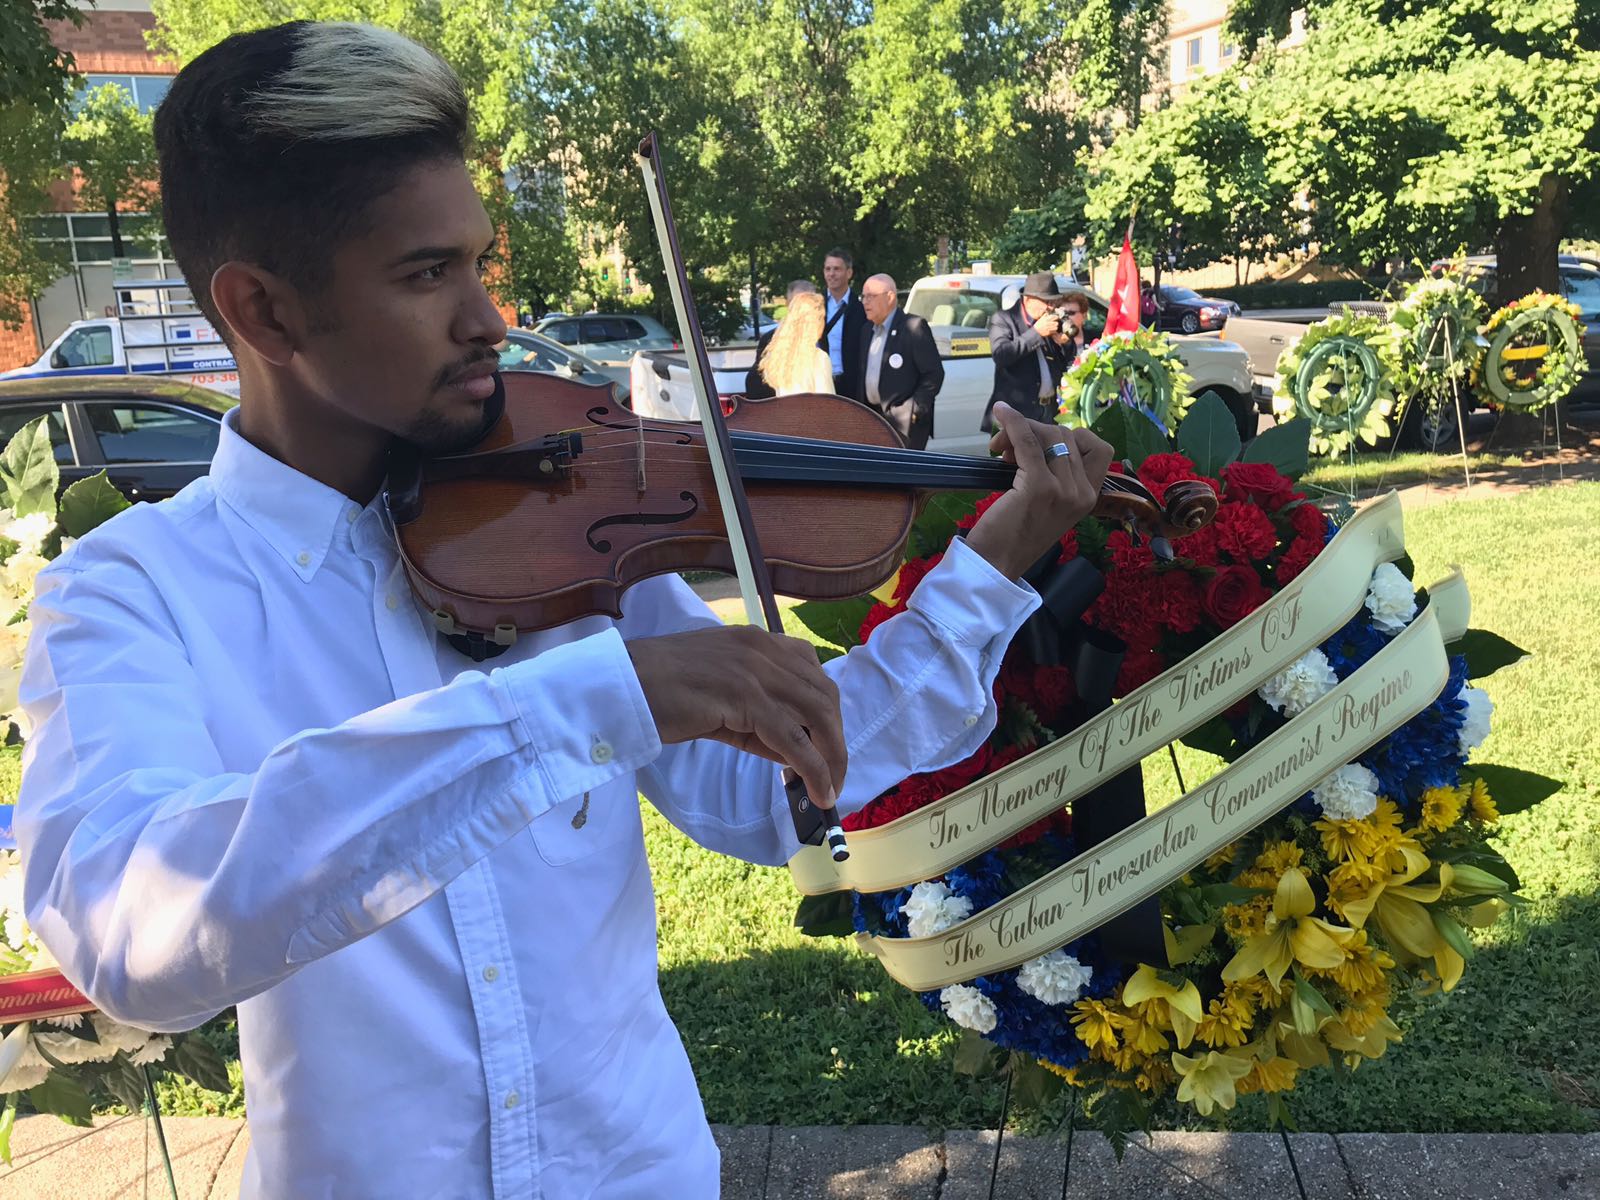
109,48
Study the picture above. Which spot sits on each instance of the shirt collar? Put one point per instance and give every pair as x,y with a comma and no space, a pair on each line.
296,515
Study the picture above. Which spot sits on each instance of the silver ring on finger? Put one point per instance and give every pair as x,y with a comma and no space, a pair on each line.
1059,450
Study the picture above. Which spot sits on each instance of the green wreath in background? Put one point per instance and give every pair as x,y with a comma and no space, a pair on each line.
1341,377
1145,359
1438,321
1535,352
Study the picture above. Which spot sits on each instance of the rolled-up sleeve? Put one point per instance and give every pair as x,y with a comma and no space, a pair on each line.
919,695
169,887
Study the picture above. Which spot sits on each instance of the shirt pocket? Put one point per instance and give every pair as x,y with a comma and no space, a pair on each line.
580,826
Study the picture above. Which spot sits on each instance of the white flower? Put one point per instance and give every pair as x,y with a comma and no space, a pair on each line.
65,1020
1349,794
152,1051
1299,685
1475,722
968,1007
65,1048
29,532
1391,599
117,1035
1054,978
933,908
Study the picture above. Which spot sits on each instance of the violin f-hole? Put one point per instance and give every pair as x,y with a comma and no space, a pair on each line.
603,547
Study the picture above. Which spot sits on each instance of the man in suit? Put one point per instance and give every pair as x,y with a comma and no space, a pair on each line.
755,387
847,321
1033,343
900,368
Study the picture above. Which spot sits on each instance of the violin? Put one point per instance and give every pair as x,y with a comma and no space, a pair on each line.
568,499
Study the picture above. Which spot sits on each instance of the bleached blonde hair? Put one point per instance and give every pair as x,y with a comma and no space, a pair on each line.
790,355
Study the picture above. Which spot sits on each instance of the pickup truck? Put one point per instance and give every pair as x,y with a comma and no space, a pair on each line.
957,308
154,333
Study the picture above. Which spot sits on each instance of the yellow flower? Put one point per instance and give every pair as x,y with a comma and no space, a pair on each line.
1347,839
1385,819
1070,1074
1222,858
1481,804
1227,1022
1399,906
1360,1019
1363,966
1245,920
1209,1079
1371,1044
1441,808
1278,857
1293,935
1097,1025
1146,1029
1154,1077
1274,1075
1171,996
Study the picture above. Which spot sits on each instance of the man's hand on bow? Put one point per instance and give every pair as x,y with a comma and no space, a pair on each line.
1047,497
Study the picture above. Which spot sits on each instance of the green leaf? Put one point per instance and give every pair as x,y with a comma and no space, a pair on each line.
1452,932
817,916
88,503
1214,737
1209,435
1514,789
937,524
1215,895
1117,1113
1286,447
8,1121
974,1056
197,1059
1487,652
28,470
1309,1007
835,621
1187,942
126,1082
1033,1084
62,1095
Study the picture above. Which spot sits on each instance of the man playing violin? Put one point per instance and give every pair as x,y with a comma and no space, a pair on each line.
259,778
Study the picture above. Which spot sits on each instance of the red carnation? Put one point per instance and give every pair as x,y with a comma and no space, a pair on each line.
1307,521
1201,545
1160,470
1261,482
1300,556
1178,601
1069,545
1139,667
877,615
953,778
1244,532
983,506
911,574
1233,594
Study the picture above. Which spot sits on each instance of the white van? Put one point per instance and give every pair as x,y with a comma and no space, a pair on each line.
157,331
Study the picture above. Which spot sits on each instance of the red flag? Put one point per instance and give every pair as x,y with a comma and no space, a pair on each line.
1124,314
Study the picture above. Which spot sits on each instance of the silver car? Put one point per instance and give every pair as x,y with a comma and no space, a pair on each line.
526,351
608,337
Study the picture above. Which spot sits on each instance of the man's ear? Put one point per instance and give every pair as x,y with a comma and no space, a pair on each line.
260,308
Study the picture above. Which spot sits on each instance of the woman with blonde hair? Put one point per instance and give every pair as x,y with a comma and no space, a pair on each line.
792,362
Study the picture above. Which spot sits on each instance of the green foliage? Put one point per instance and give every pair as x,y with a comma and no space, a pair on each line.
113,146
825,916
1286,446
1298,295
1209,435
88,503
1340,376
28,473
1487,652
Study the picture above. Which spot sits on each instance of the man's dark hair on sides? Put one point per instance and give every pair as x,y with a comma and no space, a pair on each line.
274,144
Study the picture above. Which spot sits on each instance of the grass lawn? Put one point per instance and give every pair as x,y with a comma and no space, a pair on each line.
782,1029
787,1030
1372,470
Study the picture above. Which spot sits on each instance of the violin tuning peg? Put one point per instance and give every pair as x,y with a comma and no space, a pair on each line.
1161,548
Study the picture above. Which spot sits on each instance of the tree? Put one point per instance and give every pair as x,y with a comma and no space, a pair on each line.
499,49
36,81
112,144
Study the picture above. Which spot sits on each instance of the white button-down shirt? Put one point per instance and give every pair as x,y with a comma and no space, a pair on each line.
258,778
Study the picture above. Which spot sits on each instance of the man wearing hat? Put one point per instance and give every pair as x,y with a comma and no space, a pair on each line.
1033,343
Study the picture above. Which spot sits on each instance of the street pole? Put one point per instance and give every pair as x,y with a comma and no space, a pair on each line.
755,299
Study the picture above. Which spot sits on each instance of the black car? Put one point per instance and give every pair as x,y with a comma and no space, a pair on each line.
1184,310
151,436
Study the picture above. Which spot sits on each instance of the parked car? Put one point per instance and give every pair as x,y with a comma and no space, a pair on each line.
608,337
957,308
151,436
1184,310
524,350
746,334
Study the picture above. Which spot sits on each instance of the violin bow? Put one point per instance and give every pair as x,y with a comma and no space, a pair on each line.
812,825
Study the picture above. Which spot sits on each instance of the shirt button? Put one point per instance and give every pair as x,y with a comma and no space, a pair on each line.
392,601
303,558
971,720
490,974
512,1099
601,752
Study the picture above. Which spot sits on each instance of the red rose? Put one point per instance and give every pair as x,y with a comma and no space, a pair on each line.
1260,482
1244,532
1233,594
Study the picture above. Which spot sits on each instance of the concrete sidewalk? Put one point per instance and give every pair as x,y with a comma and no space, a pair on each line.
120,1159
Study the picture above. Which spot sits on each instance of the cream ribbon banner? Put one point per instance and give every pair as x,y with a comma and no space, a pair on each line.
927,843
1388,690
